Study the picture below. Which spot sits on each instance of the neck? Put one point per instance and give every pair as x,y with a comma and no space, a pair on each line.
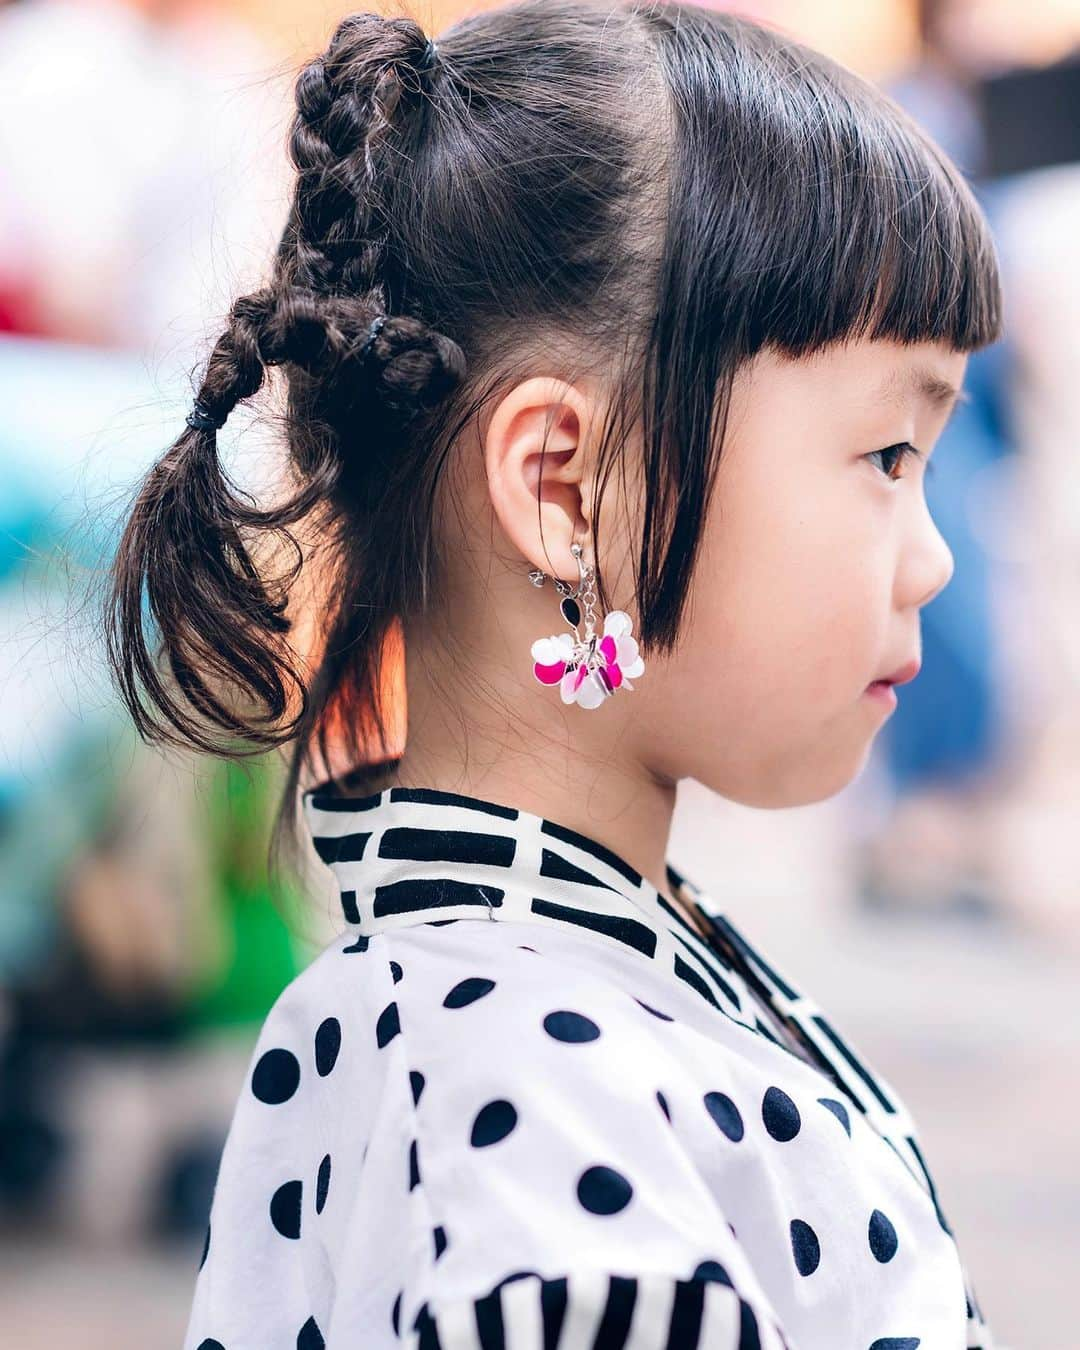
507,740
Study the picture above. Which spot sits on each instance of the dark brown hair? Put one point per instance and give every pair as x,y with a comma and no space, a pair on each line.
657,189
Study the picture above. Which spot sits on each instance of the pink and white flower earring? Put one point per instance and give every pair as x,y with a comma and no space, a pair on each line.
587,666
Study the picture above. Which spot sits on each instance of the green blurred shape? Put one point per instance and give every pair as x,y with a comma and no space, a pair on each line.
257,913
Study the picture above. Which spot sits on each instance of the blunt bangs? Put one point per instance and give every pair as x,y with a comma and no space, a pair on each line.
808,207
805,208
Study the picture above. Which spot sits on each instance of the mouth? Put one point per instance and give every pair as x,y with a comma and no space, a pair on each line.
882,690
904,675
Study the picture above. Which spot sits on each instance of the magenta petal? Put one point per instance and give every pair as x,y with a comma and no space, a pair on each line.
607,649
550,674
614,674
582,672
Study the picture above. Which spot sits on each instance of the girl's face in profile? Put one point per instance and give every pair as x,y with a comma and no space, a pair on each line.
818,554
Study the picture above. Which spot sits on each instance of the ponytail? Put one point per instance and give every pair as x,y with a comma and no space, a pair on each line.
188,562
186,571
197,621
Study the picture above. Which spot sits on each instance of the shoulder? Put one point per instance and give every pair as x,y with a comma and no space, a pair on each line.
471,1115
512,996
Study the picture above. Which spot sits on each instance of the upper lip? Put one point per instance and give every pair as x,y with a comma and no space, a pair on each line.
906,672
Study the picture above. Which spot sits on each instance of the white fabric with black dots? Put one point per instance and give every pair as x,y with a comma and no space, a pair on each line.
520,1102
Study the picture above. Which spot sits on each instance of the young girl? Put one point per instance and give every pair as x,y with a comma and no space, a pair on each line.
616,340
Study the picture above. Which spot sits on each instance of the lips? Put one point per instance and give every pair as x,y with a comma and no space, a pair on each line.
903,675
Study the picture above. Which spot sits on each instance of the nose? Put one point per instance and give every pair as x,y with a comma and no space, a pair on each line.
929,563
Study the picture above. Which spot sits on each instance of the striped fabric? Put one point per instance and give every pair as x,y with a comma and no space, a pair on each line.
599,1311
408,856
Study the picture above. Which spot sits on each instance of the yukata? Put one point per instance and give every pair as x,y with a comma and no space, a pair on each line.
521,1102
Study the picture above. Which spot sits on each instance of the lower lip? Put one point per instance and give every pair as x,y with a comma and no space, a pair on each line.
884,692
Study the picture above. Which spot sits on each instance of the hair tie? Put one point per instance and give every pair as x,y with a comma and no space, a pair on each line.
428,56
373,333
202,419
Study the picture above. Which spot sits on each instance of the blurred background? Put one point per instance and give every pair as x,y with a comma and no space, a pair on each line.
931,907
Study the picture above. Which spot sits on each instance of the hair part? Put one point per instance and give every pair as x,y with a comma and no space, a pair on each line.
654,191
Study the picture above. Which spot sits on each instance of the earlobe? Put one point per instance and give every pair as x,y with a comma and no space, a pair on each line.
535,457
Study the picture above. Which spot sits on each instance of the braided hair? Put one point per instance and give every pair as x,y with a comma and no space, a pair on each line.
652,192
323,315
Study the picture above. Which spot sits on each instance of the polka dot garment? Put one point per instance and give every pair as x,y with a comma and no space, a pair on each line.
521,1102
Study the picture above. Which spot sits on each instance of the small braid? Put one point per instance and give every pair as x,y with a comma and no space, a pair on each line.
346,99
188,561
326,304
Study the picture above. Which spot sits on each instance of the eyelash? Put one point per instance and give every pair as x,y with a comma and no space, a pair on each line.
905,450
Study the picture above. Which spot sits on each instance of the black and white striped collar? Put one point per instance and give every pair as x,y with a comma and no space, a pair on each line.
406,856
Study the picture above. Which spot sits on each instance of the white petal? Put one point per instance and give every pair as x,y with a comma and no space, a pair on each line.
617,624
566,686
634,671
565,643
545,652
591,693
626,651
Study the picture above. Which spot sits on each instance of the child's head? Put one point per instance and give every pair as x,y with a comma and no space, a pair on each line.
658,281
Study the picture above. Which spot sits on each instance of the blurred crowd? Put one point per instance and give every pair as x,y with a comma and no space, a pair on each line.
143,180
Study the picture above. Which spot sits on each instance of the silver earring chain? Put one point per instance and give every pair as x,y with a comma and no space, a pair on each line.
583,594
586,591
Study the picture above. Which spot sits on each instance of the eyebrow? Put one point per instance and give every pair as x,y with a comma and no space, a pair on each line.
923,384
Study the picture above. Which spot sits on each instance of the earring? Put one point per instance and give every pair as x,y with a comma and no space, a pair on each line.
587,666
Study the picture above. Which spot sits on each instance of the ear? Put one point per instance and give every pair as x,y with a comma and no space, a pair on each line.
538,462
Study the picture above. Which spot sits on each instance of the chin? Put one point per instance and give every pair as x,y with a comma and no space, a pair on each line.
801,782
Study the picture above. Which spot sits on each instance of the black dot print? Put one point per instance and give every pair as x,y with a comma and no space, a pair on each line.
388,1025
714,1271
206,1248
210,1344
327,1045
655,1012
493,1123
897,1343
524,948
416,1082
322,1184
839,1110
395,1315
780,1114
663,1104
396,971
883,1239
414,1166
310,1337
439,1234
726,1114
285,1209
805,1246
468,991
571,1027
276,1076
603,1190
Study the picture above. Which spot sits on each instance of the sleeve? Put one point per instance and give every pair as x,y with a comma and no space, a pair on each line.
264,1277
524,1185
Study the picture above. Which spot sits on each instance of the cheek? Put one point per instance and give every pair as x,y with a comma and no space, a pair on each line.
786,618
789,593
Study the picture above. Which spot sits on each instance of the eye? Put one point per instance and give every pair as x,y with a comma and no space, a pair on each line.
896,456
